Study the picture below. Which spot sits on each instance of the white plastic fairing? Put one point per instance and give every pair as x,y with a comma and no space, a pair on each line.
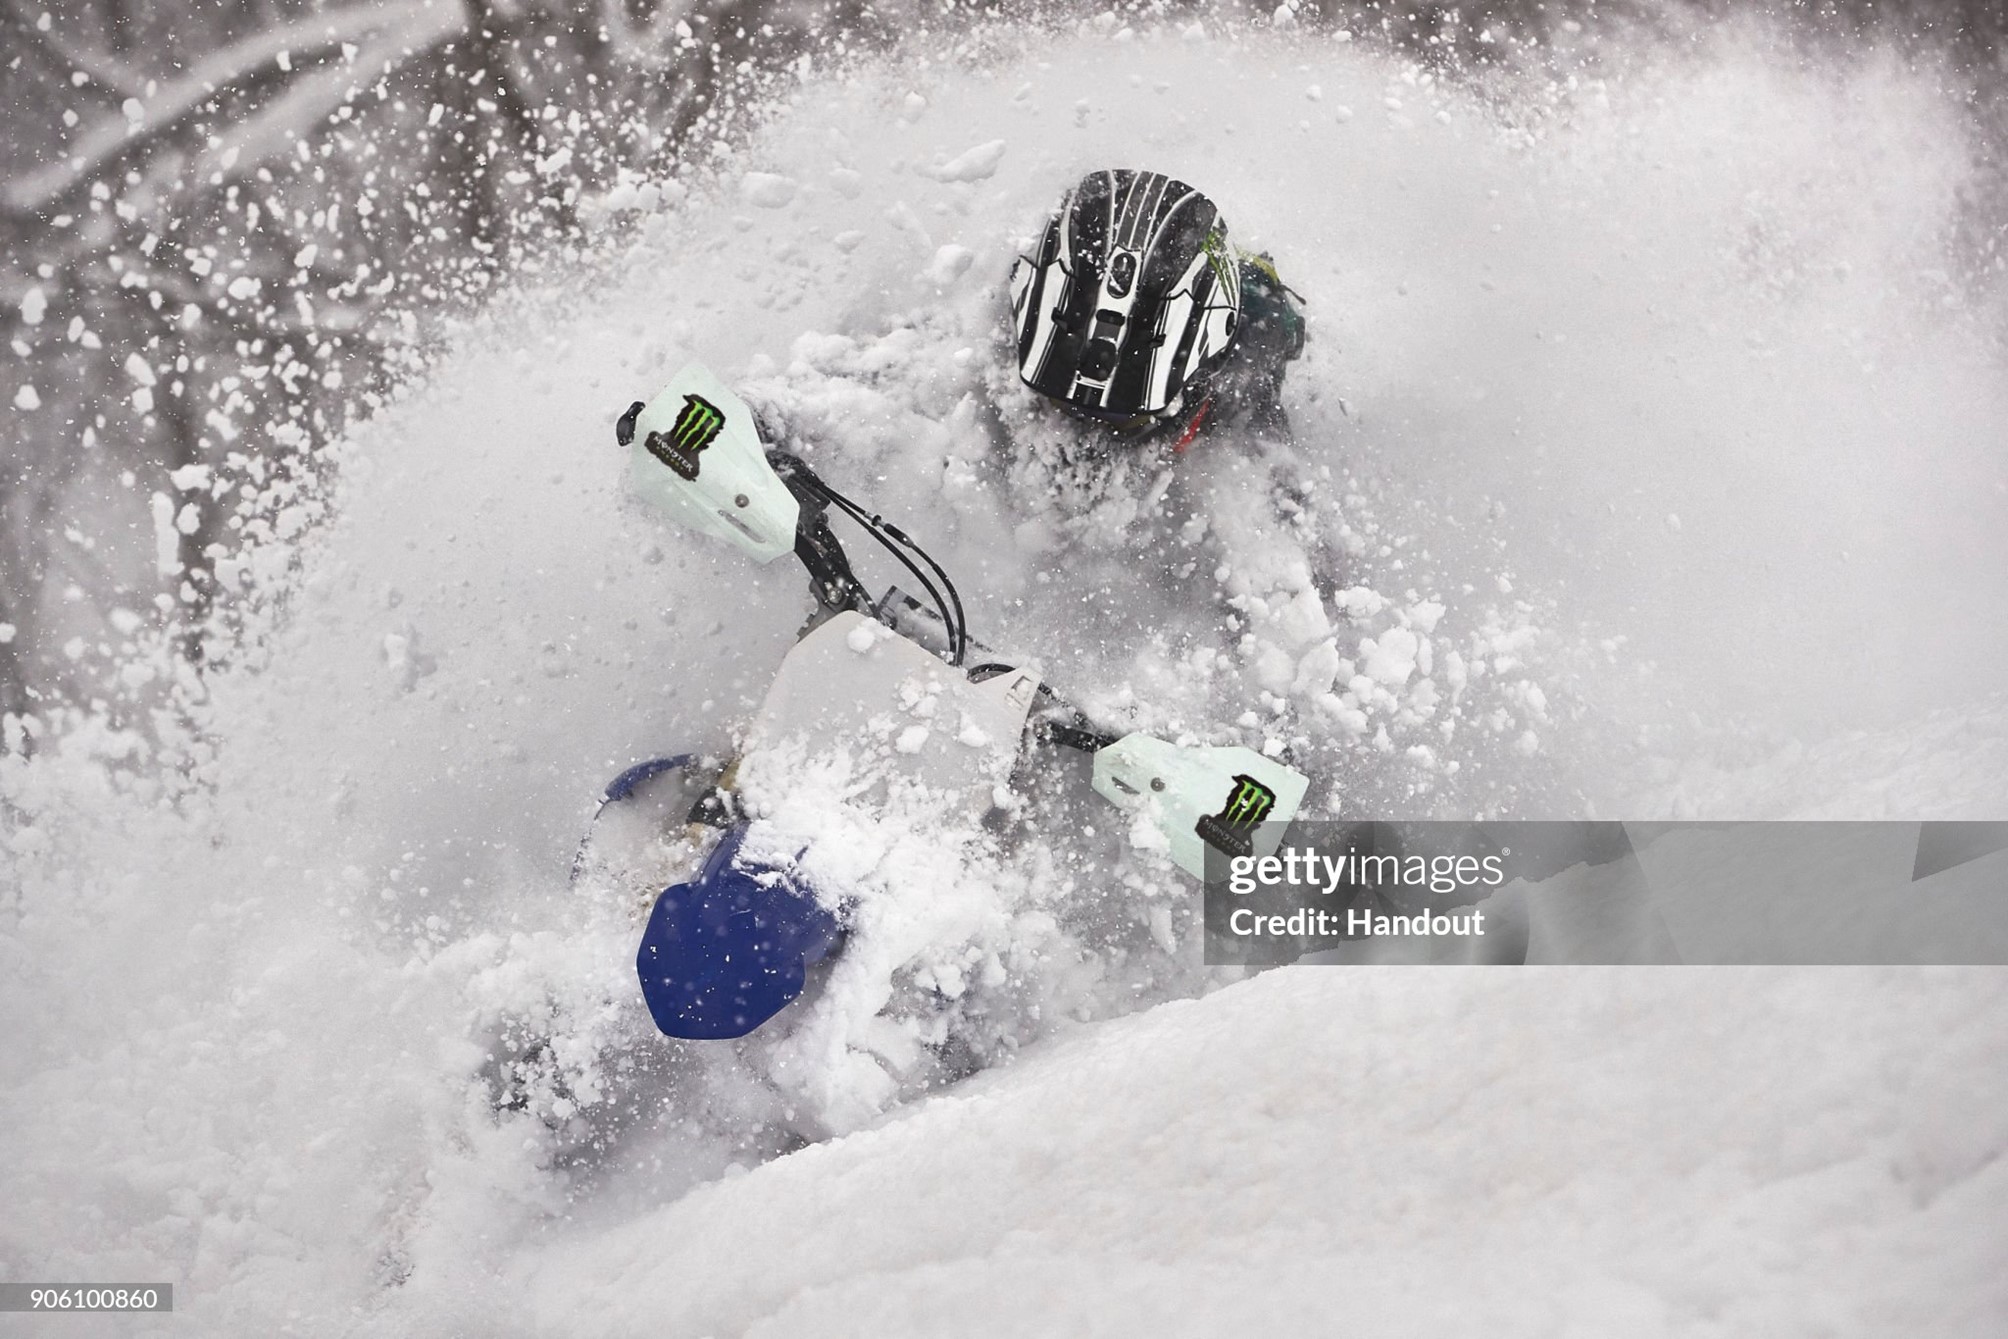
1232,799
854,686
698,457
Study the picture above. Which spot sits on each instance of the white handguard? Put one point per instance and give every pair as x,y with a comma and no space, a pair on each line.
697,456
1232,799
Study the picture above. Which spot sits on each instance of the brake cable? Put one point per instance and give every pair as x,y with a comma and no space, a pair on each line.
795,472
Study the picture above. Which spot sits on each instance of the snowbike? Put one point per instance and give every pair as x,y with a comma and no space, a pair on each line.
737,919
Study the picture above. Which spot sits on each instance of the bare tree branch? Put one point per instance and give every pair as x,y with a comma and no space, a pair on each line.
271,131
277,297
257,62
103,68
643,39
485,37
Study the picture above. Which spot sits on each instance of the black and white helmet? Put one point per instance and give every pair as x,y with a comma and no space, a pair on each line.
1133,293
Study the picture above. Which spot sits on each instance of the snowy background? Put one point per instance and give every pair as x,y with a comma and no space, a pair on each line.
1649,464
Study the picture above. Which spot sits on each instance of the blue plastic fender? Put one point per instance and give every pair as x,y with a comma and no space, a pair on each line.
624,785
727,951
619,791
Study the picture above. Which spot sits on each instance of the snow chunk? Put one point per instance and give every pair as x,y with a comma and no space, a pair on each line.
1424,617
862,638
243,288
6,633
901,216
977,164
973,735
1390,659
407,660
142,401
848,240
768,190
166,542
911,739
1455,672
1424,697
190,477
137,367
950,263
1317,670
847,183
35,302
396,651
27,398
1360,602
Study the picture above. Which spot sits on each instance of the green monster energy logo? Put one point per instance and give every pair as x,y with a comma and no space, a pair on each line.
1247,804
697,426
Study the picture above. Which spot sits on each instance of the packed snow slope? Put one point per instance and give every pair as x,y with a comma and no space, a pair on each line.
1327,1152
1648,458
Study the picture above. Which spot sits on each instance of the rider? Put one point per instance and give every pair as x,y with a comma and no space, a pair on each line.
1137,312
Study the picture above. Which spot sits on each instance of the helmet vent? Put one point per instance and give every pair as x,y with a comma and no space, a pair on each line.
1122,273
